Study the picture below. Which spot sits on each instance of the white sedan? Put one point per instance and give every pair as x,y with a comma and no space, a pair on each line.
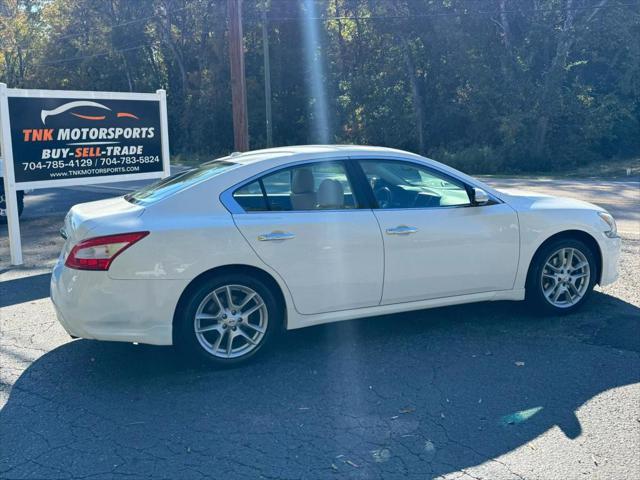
217,260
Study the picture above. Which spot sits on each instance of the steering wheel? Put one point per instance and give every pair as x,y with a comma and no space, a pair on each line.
426,198
384,196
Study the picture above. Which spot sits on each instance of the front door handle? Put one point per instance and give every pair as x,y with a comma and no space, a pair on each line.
267,237
401,230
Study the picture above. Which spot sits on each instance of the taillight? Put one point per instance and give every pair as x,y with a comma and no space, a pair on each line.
98,253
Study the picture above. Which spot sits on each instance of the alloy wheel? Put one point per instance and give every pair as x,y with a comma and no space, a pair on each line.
231,321
565,277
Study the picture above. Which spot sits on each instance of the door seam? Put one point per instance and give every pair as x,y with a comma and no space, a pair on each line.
265,263
384,257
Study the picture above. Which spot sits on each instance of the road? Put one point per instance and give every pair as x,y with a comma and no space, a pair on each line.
487,391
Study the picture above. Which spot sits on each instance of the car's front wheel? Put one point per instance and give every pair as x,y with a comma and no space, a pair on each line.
562,276
227,320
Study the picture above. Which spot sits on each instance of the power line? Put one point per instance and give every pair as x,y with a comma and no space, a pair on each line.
83,57
128,22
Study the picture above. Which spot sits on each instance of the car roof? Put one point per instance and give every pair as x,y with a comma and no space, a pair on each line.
251,165
257,162
287,152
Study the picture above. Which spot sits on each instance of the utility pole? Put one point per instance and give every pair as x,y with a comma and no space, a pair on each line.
238,83
267,77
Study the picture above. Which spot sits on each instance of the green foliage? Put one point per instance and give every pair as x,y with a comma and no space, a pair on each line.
488,86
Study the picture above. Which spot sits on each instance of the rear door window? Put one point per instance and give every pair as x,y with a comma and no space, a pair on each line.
315,186
250,198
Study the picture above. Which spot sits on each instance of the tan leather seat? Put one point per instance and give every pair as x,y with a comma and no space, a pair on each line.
330,195
303,195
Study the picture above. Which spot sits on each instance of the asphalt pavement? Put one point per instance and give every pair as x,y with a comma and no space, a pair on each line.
483,391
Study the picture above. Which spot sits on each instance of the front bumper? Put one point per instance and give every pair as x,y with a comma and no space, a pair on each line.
92,305
610,248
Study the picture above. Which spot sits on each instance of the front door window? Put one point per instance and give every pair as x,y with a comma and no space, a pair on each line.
397,184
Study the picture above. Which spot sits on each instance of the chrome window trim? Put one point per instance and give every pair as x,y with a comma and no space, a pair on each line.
229,202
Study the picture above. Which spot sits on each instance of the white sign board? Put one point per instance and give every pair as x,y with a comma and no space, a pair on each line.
56,138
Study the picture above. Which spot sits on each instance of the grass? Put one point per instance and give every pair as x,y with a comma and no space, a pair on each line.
615,169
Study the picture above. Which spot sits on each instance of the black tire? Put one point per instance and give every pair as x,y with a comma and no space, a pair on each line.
3,203
534,289
186,340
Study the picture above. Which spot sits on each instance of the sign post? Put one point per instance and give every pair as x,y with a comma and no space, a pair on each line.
11,199
56,138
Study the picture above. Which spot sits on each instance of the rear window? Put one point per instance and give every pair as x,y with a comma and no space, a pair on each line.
178,182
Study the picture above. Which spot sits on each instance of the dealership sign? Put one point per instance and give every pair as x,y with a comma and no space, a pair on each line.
62,138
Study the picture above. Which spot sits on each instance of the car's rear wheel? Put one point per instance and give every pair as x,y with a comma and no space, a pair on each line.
562,276
228,320
3,203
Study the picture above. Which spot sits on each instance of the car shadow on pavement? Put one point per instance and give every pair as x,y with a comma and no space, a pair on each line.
423,393
25,289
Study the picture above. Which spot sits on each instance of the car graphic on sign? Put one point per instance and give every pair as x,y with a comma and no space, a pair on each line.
72,108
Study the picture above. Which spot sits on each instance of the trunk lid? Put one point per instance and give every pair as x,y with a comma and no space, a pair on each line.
102,217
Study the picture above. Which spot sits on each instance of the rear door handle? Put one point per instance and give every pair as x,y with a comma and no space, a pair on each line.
268,237
401,230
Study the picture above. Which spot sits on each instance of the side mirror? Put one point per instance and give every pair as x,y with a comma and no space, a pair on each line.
480,197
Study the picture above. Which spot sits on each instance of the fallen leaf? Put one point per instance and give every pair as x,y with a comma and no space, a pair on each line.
429,446
381,455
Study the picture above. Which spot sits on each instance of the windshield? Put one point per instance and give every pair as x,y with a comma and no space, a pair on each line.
178,182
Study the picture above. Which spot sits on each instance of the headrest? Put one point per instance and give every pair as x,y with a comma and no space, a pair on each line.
302,181
330,194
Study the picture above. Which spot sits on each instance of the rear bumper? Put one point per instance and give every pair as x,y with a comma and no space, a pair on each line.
610,248
91,305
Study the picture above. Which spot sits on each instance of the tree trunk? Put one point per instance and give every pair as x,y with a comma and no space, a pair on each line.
127,71
552,86
416,97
